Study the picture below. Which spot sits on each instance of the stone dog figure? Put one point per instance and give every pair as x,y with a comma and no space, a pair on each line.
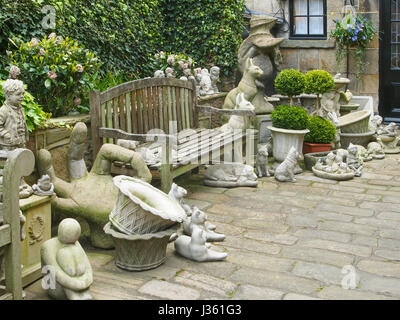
90,195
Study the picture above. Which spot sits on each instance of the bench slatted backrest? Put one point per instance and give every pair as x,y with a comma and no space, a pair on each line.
141,105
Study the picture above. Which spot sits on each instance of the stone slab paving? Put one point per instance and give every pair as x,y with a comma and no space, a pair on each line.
286,241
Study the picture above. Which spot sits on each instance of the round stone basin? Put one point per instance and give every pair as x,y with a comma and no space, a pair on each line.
339,83
355,122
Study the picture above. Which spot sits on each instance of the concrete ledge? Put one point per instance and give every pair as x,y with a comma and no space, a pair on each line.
309,44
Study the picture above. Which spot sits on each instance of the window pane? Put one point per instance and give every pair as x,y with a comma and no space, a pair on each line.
395,56
300,7
316,25
300,25
395,9
395,31
316,7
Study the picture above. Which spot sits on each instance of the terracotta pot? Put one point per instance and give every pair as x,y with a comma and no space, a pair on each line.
316,147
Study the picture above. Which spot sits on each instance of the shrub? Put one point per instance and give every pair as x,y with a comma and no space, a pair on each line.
208,31
290,82
321,130
34,114
180,64
318,82
289,117
59,72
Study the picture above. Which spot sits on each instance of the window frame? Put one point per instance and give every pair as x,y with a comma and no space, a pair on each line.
308,36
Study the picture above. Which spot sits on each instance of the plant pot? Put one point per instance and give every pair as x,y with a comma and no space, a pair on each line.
309,147
355,122
143,209
283,140
361,139
140,252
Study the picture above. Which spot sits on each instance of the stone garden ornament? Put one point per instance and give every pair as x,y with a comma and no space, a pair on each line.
237,122
376,151
262,161
333,168
388,137
214,75
286,170
13,129
195,248
353,160
230,175
44,187
66,260
90,195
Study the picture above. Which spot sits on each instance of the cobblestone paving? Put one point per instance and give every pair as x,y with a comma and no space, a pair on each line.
285,241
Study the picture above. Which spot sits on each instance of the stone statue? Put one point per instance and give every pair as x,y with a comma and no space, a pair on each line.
198,219
159,74
263,48
332,117
285,171
363,154
13,129
205,83
330,101
388,137
68,262
376,150
230,175
195,247
44,187
177,193
353,161
91,195
376,124
333,168
214,75
262,161
237,122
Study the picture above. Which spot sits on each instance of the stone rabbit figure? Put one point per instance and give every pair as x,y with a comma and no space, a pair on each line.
262,161
195,247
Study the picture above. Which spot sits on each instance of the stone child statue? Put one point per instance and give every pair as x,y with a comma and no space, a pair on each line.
353,160
13,129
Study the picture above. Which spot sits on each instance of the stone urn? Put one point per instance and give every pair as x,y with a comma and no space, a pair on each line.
283,140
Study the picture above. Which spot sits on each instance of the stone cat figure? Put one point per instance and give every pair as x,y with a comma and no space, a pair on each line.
178,193
198,218
262,161
285,171
195,247
239,122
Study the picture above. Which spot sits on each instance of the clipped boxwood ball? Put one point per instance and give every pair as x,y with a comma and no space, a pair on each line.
321,130
318,82
288,117
290,82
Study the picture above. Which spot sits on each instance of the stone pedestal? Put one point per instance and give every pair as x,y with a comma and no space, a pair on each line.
214,100
37,211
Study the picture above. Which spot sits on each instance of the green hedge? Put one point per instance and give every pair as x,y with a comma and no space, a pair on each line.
125,34
209,31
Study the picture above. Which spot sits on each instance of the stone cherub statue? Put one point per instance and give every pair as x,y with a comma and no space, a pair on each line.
68,262
214,75
285,171
353,160
205,83
13,129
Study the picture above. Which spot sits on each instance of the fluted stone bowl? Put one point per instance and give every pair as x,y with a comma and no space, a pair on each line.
140,252
361,139
355,122
142,208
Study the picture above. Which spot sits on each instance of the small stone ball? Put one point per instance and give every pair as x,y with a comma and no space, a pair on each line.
69,231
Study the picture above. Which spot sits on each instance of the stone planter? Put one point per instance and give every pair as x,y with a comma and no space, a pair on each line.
355,122
333,176
143,209
140,252
316,147
361,139
283,140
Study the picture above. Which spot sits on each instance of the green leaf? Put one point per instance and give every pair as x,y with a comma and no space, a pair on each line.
47,83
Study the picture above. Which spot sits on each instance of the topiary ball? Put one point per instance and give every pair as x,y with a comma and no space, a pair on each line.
318,82
321,130
288,117
290,82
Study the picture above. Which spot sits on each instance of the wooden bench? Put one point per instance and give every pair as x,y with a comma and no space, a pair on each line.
134,110
17,164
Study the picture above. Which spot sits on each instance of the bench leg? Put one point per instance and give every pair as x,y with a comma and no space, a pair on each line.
166,178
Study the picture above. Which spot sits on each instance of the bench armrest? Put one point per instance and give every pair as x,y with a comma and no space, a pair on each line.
120,134
237,112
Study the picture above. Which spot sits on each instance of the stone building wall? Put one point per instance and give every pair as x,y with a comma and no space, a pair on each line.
306,55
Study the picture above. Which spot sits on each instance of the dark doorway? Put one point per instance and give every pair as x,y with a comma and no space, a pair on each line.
389,92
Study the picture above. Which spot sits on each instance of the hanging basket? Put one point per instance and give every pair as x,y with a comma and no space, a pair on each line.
143,209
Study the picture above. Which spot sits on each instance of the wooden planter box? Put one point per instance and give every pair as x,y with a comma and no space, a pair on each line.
37,211
316,147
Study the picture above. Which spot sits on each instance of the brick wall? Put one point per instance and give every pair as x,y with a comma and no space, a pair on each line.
306,55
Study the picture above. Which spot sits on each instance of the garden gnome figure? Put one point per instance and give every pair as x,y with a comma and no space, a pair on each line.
13,129
68,263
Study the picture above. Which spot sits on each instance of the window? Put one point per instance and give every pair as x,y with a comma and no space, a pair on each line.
307,19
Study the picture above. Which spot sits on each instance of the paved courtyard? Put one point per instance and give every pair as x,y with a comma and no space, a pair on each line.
284,241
